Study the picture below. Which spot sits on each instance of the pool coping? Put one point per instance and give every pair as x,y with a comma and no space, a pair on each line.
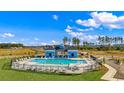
90,65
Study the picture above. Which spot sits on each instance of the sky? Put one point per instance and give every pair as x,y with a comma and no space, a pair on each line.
49,27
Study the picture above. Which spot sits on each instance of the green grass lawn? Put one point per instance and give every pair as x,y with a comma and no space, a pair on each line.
6,73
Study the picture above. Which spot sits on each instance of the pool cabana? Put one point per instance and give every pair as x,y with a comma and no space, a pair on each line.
60,51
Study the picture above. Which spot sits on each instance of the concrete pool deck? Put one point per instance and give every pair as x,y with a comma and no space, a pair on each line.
66,68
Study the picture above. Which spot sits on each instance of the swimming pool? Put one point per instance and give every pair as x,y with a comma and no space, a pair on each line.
59,61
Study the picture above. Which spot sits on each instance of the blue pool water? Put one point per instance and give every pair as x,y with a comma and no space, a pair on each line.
58,61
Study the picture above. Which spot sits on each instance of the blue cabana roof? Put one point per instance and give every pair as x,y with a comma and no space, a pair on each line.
59,47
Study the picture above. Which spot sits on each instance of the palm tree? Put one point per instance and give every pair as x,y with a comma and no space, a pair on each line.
69,41
65,40
103,40
85,43
100,40
74,40
77,41
121,39
116,40
106,40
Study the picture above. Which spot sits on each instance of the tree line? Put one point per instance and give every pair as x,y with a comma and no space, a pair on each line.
105,40
75,41
104,43
10,45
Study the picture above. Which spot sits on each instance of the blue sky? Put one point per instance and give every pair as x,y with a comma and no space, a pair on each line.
45,27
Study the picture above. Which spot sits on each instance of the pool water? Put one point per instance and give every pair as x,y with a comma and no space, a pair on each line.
59,61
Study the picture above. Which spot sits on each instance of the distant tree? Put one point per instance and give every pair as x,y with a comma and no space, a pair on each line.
85,43
105,40
99,39
121,39
65,40
74,41
69,41
77,41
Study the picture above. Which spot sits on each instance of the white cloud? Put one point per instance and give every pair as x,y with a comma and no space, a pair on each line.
98,20
89,38
13,42
70,29
54,42
36,39
85,30
104,19
43,44
7,35
87,23
82,36
76,34
55,17
22,39
79,33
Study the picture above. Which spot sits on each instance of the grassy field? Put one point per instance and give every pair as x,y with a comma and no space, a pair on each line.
114,53
7,74
12,52
28,51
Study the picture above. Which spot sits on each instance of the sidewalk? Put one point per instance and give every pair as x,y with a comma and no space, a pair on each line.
110,74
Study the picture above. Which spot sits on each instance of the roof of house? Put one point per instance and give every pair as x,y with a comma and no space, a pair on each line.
60,47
